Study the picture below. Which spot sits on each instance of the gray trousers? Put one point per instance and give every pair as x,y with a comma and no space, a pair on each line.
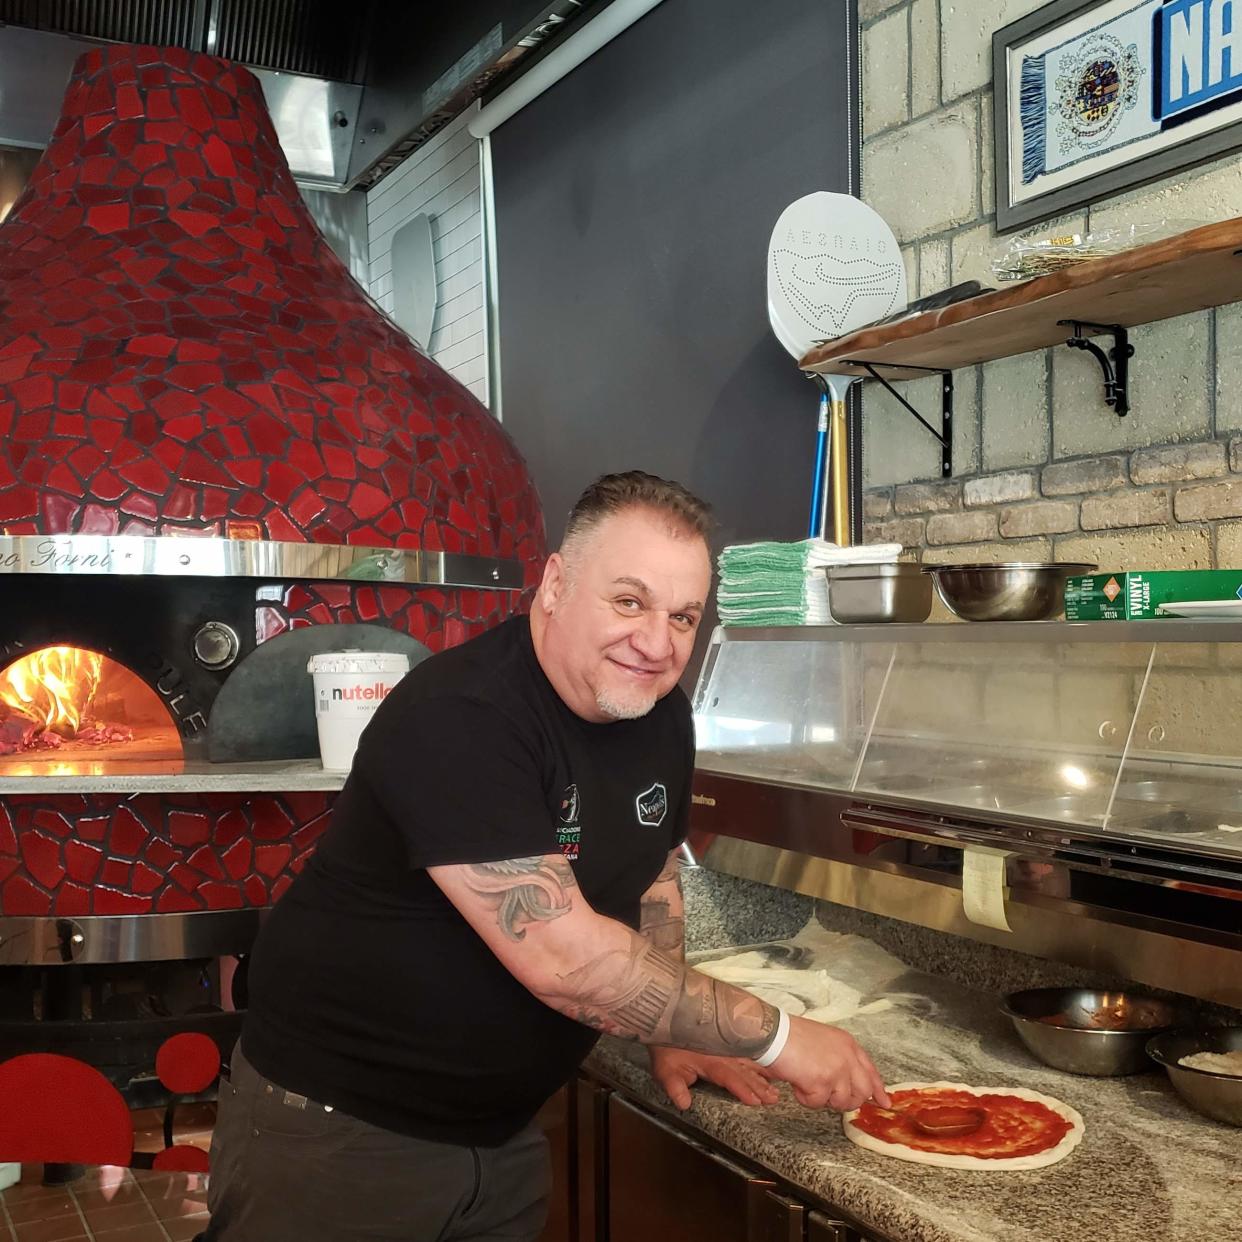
285,1169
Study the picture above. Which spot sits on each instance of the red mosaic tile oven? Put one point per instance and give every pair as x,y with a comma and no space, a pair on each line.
217,456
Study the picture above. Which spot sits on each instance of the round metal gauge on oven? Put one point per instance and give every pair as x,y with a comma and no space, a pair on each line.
216,645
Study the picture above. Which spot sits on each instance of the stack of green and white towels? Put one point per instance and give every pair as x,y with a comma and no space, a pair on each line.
785,583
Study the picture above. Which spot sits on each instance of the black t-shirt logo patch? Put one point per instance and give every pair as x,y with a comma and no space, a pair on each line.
569,833
652,805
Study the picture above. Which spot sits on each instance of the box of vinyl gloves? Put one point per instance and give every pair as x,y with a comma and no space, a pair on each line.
1140,594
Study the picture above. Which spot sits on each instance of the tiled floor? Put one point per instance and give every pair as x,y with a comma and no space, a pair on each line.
112,1204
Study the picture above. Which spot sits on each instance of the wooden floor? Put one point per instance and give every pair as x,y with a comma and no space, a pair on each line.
113,1204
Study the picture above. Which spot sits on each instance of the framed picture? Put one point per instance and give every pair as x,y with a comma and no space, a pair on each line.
1093,98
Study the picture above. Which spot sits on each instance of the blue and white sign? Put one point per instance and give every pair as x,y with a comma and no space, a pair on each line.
1120,81
1200,45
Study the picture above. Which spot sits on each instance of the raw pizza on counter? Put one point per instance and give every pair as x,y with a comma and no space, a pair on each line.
959,1127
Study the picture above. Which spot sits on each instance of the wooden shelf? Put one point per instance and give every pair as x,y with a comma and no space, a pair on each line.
1193,271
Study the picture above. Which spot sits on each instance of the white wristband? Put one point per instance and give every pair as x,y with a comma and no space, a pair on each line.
779,1040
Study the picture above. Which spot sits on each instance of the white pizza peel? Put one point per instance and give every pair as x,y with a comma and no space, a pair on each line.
833,266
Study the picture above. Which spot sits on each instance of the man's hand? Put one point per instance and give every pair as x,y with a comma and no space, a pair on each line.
827,1068
677,1070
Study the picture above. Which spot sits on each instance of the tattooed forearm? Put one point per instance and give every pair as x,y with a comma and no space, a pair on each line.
711,1013
597,970
638,992
661,927
662,918
671,872
630,996
524,890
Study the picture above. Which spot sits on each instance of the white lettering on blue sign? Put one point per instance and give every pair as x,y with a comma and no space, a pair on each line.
1201,53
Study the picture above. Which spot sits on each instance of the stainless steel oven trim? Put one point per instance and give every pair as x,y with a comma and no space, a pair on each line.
127,938
804,840
1192,967
1121,855
924,819
782,814
170,556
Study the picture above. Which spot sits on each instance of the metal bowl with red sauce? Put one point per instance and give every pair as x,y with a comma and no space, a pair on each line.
1089,1031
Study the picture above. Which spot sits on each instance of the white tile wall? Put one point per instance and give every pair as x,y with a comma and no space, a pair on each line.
442,179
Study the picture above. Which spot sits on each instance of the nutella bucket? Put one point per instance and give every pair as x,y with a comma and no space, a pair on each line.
349,686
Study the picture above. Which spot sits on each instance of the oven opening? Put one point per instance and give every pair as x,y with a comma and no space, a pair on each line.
69,711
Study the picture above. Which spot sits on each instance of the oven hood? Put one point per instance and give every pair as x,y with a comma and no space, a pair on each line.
315,118
350,95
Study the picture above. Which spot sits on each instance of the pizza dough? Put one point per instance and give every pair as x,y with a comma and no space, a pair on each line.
1215,1062
804,992
1065,1143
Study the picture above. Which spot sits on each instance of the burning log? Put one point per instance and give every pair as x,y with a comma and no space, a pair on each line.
20,734
16,734
46,694
98,734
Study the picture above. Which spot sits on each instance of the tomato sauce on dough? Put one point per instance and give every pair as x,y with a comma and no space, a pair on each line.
1013,1126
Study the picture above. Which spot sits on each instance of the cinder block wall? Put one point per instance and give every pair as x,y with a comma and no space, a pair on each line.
1043,469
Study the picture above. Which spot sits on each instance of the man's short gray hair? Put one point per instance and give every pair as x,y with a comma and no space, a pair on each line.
685,513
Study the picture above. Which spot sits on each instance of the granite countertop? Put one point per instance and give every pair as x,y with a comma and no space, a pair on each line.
1148,1168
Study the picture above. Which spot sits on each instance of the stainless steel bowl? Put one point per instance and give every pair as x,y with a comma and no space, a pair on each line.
1164,821
1218,1096
1177,792
1079,808
1079,1047
1016,591
862,594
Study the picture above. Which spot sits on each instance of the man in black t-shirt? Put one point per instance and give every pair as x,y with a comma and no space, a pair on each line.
498,885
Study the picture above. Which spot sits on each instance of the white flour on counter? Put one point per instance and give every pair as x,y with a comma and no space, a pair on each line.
807,993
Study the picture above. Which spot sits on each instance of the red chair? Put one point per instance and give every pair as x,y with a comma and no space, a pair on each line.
58,1110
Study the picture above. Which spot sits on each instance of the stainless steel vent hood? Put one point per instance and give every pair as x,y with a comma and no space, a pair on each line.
315,118
351,93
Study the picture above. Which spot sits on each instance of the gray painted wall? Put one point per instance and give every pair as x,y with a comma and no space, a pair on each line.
634,201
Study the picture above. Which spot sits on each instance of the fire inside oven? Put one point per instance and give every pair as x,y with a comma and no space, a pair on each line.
69,711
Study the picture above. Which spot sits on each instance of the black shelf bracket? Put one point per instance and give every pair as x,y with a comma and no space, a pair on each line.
945,435
1115,363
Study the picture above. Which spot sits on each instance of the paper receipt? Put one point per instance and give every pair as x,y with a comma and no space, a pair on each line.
983,886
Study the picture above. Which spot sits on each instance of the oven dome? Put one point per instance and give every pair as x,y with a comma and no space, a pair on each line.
181,352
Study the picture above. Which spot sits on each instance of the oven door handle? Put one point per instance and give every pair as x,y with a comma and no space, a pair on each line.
925,827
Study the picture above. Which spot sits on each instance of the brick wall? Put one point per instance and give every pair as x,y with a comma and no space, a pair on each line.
1042,467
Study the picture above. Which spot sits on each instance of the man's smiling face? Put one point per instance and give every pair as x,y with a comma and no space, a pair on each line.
619,614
